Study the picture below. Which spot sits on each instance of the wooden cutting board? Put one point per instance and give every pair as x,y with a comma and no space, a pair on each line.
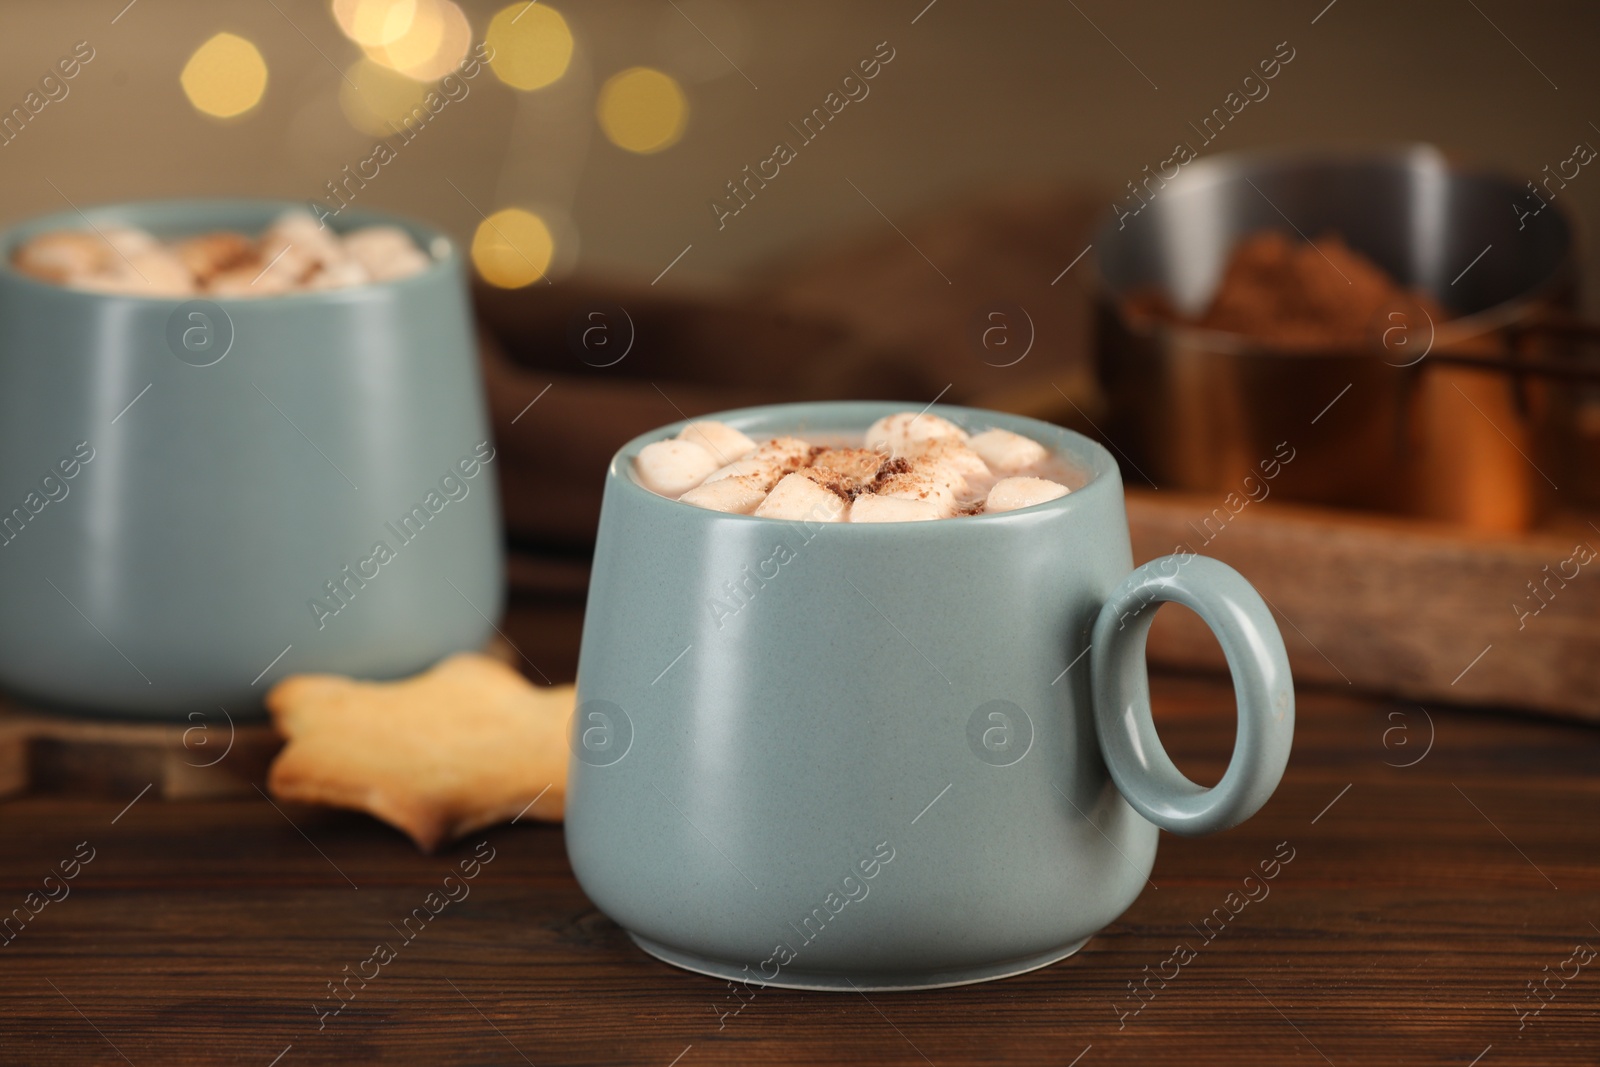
202,758
1418,610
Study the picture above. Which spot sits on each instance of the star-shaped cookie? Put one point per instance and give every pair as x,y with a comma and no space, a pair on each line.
464,745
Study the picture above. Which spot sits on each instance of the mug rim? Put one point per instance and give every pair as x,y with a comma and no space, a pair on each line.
1084,453
212,213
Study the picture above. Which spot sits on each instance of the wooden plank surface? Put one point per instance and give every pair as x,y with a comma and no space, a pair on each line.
1420,902
1414,609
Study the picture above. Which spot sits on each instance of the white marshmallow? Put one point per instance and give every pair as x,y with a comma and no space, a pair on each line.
852,468
764,471
672,468
952,456
1005,451
767,463
786,449
736,496
387,252
898,431
869,507
1009,494
718,438
798,498
925,482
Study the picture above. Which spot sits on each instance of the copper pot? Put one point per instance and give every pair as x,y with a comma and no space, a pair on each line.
1477,419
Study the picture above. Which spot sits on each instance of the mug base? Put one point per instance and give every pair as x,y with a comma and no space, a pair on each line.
837,982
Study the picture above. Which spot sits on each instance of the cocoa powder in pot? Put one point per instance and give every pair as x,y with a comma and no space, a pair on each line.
1293,294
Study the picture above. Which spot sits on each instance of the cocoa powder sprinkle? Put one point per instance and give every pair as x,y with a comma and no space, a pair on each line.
898,465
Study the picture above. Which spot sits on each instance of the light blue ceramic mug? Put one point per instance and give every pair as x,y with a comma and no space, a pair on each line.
890,756
194,492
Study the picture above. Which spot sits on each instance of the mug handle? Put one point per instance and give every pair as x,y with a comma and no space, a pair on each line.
1144,773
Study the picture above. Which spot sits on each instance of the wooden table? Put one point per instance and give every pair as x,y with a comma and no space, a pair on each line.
1420,903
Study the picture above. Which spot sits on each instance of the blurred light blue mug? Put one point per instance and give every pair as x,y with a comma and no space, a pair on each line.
198,496
890,756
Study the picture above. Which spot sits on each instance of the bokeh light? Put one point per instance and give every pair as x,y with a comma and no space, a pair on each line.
433,44
372,23
512,248
377,99
531,43
642,110
225,77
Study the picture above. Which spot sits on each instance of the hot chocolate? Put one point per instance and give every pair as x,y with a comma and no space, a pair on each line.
907,467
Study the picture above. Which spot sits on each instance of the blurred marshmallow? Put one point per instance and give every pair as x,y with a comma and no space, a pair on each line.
63,256
155,272
129,240
338,276
387,252
249,280
1007,452
672,468
798,498
285,263
313,243
718,438
162,272
208,254
1009,494
295,253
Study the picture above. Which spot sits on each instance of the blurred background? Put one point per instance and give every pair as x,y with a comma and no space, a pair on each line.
977,94
945,162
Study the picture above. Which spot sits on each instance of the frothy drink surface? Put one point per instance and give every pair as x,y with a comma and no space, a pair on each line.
907,467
